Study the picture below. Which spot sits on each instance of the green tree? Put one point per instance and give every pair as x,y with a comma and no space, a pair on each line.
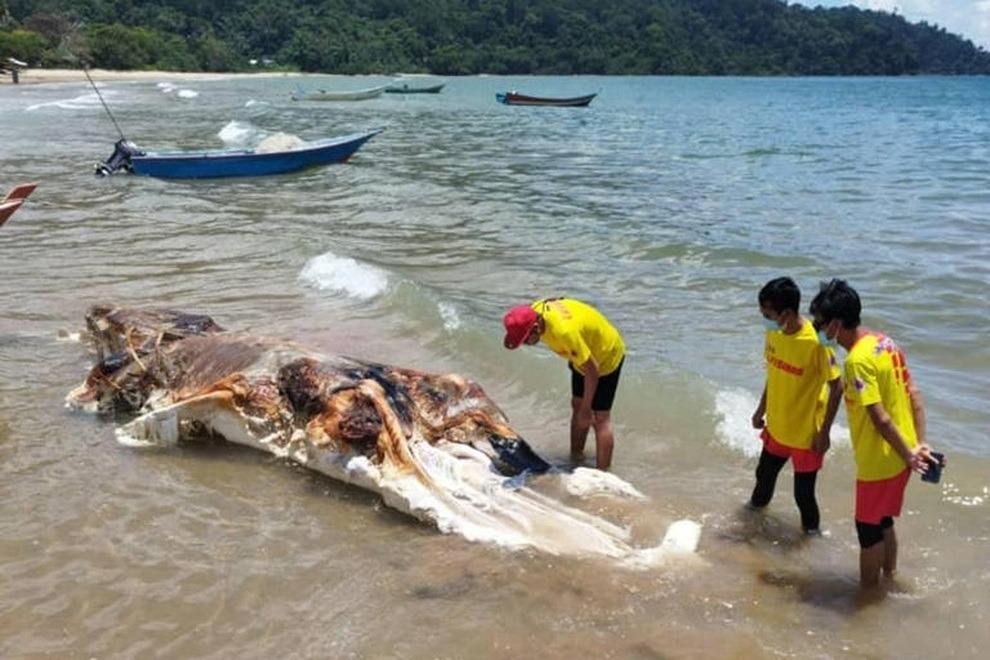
24,45
695,37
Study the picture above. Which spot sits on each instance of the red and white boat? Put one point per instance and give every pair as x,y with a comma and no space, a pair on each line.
14,199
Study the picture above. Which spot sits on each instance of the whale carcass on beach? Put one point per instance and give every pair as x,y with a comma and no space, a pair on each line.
433,446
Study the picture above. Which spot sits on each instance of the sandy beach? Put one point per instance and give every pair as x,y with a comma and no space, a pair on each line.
39,76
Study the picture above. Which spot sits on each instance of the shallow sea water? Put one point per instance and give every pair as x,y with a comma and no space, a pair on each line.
667,203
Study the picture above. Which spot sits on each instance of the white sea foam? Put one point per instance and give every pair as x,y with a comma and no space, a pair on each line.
840,435
82,102
166,87
252,103
187,93
735,429
451,319
328,272
951,493
237,133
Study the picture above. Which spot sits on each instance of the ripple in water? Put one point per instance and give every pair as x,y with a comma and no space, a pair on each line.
451,319
76,103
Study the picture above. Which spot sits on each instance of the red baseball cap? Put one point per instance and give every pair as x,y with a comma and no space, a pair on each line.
518,322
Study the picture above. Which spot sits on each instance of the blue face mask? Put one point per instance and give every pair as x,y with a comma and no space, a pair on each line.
825,341
770,325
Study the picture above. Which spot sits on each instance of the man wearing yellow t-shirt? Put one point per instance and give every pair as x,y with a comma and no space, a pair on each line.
799,402
886,423
594,350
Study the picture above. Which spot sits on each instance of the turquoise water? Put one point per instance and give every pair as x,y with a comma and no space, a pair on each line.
667,203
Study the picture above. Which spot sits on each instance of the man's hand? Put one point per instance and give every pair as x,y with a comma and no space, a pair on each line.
821,442
757,420
920,458
584,416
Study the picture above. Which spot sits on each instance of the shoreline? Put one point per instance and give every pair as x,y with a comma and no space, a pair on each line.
42,76
52,76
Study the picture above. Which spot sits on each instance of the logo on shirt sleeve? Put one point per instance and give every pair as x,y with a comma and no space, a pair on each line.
859,384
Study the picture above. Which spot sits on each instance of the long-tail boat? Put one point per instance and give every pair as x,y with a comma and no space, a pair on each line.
514,98
230,162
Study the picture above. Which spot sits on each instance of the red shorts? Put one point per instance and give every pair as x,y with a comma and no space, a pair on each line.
876,500
803,460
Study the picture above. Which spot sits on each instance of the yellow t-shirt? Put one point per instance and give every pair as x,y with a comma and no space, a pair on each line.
577,331
798,367
876,372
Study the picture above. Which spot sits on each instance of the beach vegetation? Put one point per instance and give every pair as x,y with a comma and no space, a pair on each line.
450,37
23,45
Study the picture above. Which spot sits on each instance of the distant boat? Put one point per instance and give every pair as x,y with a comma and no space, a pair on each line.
14,199
405,88
512,98
341,95
231,162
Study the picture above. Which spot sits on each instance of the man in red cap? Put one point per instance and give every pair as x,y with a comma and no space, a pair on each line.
594,350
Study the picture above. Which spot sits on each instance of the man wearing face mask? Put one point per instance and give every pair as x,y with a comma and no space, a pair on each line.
886,423
595,352
799,402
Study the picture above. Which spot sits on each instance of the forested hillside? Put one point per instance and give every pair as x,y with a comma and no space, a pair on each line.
694,37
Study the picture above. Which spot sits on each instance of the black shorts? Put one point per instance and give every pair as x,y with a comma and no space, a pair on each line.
604,395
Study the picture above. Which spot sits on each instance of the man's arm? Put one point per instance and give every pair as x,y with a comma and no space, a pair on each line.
918,412
823,440
761,410
590,369
916,459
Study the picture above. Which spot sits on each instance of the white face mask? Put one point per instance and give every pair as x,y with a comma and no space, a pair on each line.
771,325
825,341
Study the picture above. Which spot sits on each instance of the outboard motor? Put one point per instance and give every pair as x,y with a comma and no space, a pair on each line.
120,158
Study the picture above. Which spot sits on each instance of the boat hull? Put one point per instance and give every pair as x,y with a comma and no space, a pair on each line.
203,165
14,199
435,89
358,95
510,98
7,209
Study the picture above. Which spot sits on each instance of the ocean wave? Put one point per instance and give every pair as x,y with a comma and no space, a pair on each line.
82,102
187,93
328,272
735,429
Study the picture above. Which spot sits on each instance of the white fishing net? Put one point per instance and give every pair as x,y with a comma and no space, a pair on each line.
279,142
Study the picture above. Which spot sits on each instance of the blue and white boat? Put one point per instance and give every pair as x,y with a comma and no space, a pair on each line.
231,162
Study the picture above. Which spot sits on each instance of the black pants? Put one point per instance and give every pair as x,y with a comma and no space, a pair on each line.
604,395
804,489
